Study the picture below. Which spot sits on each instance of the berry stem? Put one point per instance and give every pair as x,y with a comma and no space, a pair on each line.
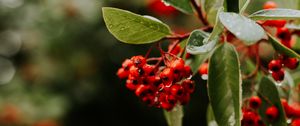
154,59
264,70
163,53
149,51
199,13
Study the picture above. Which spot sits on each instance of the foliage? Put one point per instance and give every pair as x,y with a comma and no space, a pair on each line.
226,30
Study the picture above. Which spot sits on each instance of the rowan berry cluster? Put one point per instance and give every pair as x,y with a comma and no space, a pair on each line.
291,112
251,116
159,86
276,66
273,23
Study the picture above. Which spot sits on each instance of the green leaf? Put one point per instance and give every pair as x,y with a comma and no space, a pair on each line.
275,14
268,90
218,28
292,26
296,46
242,27
198,44
132,28
242,10
182,5
224,85
210,117
296,77
281,48
174,117
241,3
198,60
211,8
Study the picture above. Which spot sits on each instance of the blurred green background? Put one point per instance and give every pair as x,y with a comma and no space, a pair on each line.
58,64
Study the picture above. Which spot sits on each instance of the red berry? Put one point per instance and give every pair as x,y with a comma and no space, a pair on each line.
187,71
167,106
272,113
229,37
142,90
166,75
149,99
171,99
177,90
135,71
203,69
187,55
131,86
284,34
287,109
270,5
132,83
249,118
159,8
295,110
275,65
185,98
176,50
122,74
138,61
287,43
154,80
296,122
178,69
291,63
127,64
149,69
255,102
188,86
275,23
162,97
279,75
177,65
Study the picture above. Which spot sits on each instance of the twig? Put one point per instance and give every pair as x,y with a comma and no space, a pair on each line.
178,37
199,12
186,35
154,59
148,52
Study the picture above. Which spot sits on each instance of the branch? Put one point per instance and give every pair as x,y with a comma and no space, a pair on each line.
199,12
186,35
178,37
